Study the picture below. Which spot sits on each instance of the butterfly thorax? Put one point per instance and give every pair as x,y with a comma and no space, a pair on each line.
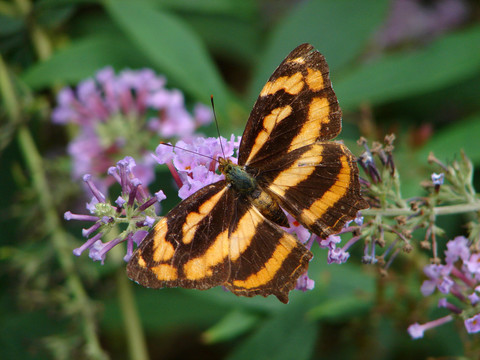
245,184
237,177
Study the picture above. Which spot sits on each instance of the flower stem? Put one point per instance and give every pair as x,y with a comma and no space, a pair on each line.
438,210
137,346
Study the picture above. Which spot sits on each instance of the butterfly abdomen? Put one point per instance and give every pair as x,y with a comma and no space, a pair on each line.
268,207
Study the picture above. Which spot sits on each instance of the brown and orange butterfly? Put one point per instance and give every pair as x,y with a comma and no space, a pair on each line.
229,233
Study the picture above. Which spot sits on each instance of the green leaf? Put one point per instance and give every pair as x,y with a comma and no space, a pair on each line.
287,335
341,291
340,307
446,144
172,47
239,9
245,47
234,324
82,59
447,61
339,29
256,304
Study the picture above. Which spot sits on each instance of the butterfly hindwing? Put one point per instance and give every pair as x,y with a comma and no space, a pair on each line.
296,107
264,259
317,184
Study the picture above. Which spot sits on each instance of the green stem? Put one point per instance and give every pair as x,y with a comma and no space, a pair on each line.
59,240
137,346
10,101
439,210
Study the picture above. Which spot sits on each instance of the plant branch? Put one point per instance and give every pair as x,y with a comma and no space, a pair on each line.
438,210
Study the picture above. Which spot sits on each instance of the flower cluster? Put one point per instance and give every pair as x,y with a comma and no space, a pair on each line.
449,190
133,209
121,115
381,188
458,277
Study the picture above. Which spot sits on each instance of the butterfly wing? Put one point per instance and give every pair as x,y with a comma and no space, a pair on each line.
296,107
218,238
317,184
264,259
189,247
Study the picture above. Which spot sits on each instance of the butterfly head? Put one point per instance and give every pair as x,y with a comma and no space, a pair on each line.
224,165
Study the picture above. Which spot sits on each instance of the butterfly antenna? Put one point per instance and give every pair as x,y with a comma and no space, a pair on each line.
216,124
190,151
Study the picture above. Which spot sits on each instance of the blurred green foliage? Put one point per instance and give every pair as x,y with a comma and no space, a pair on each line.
427,91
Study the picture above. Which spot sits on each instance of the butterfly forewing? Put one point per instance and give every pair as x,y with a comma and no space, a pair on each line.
296,107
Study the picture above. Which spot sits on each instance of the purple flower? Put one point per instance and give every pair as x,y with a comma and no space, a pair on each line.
457,249
438,275
368,165
369,253
330,242
358,219
473,324
337,256
134,208
120,114
473,264
443,303
304,283
474,298
303,235
417,330
202,114
193,163
459,278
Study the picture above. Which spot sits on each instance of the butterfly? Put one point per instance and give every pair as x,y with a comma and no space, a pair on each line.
229,232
